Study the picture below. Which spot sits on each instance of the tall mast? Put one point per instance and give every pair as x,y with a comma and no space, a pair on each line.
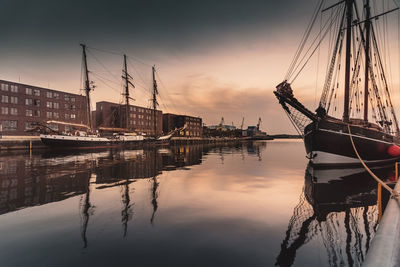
367,60
349,18
155,93
125,77
87,87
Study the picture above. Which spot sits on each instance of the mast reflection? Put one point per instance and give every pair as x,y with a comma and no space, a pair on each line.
337,207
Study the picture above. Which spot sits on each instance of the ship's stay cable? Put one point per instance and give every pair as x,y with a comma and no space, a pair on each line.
304,40
166,91
328,23
393,192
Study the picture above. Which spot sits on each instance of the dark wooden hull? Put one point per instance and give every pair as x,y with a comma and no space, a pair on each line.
78,143
328,143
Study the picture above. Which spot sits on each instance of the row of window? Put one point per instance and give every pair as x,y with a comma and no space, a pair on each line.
142,110
139,116
35,92
35,102
34,113
141,123
9,125
13,88
11,111
194,123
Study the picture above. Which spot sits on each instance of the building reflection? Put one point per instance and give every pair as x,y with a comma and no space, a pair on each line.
337,207
38,179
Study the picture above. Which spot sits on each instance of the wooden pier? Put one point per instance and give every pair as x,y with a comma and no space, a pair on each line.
385,246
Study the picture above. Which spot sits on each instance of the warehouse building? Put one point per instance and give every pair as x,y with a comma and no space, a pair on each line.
24,105
194,125
140,119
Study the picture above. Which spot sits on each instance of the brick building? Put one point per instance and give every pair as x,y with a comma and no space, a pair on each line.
22,105
194,125
140,119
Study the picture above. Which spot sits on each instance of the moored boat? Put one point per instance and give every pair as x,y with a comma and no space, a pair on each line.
368,113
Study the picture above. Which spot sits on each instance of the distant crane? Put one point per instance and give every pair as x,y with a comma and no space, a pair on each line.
258,124
241,126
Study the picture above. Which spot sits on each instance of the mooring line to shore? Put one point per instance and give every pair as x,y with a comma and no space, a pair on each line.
394,193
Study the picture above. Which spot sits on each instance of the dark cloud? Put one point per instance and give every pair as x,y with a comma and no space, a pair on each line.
175,25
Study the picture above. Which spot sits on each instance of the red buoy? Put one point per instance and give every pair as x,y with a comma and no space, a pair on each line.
394,151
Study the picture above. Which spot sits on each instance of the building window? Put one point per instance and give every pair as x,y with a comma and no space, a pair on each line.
28,113
29,125
9,125
14,111
49,114
4,110
4,87
56,105
36,113
14,88
73,116
56,95
36,92
68,128
28,102
66,97
36,102
67,116
28,91
66,106
4,99
49,94
14,100
72,99
49,104
73,107
56,115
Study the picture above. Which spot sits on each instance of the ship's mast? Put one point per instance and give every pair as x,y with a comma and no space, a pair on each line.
367,59
125,77
155,93
87,87
349,18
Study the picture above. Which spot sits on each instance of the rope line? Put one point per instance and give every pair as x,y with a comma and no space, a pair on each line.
394,193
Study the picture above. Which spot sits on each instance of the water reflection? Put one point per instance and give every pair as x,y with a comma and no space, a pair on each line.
337,207
54,176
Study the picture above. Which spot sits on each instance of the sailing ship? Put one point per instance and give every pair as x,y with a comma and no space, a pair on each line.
88,138
368,113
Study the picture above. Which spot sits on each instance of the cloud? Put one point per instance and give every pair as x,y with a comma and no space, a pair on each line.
211,99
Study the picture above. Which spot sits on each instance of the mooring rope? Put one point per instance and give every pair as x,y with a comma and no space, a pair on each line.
394,193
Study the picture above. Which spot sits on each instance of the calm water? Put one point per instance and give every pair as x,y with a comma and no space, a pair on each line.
254,204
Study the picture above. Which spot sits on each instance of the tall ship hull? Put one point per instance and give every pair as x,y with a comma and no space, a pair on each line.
328,142
87,142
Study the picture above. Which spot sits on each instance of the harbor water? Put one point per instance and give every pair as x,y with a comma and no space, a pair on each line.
248,204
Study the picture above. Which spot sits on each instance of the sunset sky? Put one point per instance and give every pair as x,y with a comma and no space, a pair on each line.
213,58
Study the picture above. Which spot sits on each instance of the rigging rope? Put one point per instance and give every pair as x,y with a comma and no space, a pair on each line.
303,40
